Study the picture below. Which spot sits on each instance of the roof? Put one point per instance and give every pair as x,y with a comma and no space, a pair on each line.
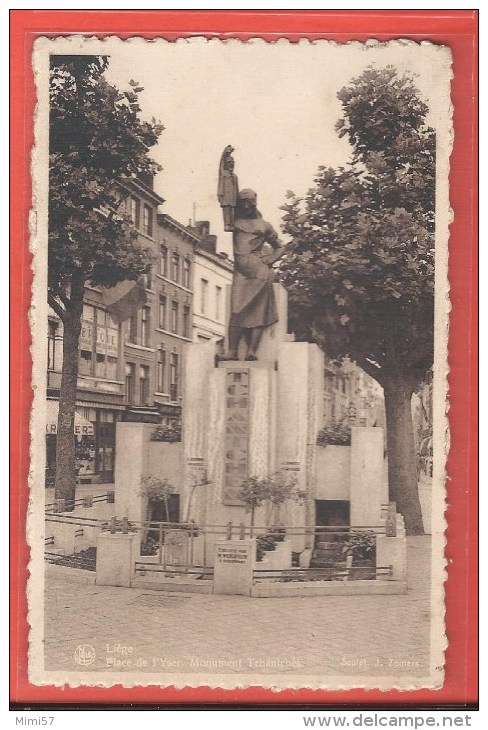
137,185
167,221
225,263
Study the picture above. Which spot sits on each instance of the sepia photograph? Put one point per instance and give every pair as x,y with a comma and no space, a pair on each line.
239,340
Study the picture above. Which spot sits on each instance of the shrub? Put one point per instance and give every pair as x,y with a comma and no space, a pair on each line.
169,434
268,541
149,546
361,545
338,434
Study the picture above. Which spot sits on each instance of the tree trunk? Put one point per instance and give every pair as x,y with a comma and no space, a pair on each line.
251,530
65,484
402,463
166,508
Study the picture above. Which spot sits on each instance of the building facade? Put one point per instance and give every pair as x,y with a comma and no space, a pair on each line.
172,312
352,396
212,280
100,396
129,371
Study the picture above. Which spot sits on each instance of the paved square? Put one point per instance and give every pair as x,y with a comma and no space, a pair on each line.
322,635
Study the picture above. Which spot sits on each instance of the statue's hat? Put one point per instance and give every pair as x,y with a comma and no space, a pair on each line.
247,194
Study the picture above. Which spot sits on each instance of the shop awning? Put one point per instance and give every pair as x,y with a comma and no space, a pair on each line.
82,426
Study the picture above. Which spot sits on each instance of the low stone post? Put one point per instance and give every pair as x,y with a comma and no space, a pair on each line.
116,555
392,551
64,536
233,566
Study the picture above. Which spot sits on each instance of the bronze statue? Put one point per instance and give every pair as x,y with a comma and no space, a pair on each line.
253,305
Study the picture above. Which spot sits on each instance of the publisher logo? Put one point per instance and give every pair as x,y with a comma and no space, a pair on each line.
84,655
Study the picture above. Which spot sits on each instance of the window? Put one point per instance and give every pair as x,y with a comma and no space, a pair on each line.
218,302
163,261
186,273
99,344
148,279
88,313
186,322
87,341
135,211
85,365
162,311
100,365
175,272
161,370
144,385
51,345
111,368
145,330
203,295
173,386
148,220
129,383
132,329
174,317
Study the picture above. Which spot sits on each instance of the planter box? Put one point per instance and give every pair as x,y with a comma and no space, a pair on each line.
278,559
269,589
333,472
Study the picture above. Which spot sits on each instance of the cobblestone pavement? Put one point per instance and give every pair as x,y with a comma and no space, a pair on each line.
322,635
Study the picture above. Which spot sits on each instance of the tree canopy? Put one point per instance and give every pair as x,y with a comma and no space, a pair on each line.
360,277
96,141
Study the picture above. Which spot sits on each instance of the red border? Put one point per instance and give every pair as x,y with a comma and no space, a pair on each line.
456,28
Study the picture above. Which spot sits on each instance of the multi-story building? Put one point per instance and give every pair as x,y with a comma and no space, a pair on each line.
352,396
212,278
132,370
172,312
100,397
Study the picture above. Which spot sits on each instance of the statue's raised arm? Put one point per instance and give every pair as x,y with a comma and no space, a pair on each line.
228,188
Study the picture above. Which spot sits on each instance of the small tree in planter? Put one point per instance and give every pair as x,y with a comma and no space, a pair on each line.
157,491
274,489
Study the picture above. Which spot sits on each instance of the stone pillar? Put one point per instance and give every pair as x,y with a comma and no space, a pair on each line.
130,464
240,429
198,373
233,566
299,417
366,476
116,555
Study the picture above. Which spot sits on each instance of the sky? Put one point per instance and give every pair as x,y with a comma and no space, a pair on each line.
275,104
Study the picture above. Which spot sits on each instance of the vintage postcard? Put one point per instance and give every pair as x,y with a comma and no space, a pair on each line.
240,318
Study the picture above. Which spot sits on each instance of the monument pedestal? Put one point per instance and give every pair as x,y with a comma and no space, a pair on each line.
251,419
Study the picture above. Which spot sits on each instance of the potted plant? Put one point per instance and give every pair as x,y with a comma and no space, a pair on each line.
360,549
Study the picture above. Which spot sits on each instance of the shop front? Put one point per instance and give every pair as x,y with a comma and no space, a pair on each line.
94,435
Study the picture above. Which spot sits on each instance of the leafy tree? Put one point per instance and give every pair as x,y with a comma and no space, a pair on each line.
361,275
276,489
96,140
